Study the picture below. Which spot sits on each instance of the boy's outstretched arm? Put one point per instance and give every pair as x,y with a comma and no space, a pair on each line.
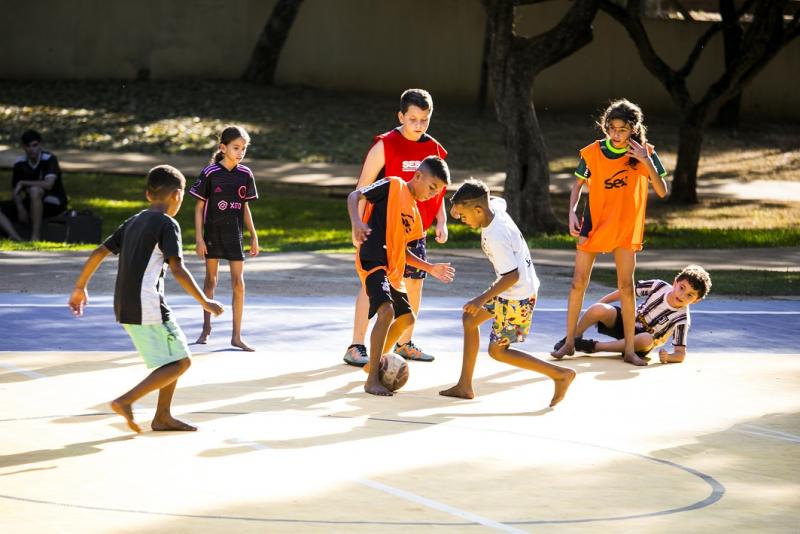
442,271
503,283
80,296
186,280
675,357
611,297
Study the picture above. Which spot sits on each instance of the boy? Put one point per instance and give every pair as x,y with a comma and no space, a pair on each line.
391,221
664,312
510,300
145,242
398,152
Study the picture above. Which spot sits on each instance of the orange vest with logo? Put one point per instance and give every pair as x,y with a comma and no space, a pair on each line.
617,201
403,225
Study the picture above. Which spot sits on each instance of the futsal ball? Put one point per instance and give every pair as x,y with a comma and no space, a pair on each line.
393,371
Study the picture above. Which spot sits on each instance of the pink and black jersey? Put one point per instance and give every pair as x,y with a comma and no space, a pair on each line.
225,193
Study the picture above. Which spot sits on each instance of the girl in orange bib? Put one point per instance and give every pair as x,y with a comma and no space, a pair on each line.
617,171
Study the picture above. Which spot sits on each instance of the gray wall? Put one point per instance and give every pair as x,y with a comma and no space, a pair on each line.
377,46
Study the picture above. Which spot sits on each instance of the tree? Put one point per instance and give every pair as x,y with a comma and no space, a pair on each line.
264,60
514,63
765,31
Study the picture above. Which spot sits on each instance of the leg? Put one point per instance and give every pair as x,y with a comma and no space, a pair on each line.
161,377
584,261
562,376
361,318
237,280
163,419
641,342
8,227
625,259
37,209
472,342
414,288
377,341
401,324
596,313
209,286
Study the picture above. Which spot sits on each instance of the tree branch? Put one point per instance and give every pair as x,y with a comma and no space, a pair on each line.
572,32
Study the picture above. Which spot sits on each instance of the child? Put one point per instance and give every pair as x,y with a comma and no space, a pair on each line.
510,300
618,170
664,312
224,190
145,242
398,152
389,224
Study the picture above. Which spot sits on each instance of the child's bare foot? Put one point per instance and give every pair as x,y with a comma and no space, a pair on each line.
633,359
125,411
562,385
242,345
165,424
377,388
203,339
458,391
565,350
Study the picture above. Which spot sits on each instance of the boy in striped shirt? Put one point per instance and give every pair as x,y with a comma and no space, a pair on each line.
663,313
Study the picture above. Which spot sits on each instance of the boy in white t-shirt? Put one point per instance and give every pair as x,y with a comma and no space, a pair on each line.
510,300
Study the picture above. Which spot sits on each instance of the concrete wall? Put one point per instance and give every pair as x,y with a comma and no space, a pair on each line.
378,46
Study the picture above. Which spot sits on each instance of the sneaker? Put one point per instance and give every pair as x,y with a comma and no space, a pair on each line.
559,343
409,351
356,355
586,346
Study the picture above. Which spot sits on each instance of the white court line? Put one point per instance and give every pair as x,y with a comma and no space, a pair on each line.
21,370
407,495
769,432
349,308
764,434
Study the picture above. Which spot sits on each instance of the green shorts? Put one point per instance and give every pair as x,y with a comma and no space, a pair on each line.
512,319
158,344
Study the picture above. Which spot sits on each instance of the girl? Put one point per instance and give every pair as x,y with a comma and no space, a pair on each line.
223,192
618,170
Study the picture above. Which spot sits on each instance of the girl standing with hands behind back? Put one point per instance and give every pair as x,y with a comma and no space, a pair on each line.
224,190
618,171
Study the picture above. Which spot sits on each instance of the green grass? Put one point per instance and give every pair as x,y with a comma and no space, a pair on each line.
733,282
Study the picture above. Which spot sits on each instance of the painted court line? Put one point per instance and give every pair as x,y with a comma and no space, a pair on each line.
768,433
21,370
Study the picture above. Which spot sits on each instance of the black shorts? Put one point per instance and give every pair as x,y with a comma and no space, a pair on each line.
617,330
379,291
9,209
418,248
224,241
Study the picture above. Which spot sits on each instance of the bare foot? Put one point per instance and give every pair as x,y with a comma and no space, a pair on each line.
633,359
458,391
565,350
170,423
377,389
242,345
203,339
125,411
562,385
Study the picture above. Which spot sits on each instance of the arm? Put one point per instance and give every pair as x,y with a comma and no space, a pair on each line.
186,281
198,229
80,296
503,283
248,221
636,150
574,197
46,184
441,224
611,297
360,230
674,357
442,271
373,163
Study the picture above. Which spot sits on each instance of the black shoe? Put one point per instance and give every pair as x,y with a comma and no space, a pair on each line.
559,344
586,346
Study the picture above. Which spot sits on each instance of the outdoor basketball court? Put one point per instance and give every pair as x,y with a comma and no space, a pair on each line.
288,441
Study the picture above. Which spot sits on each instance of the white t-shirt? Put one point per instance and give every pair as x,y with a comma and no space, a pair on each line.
503,244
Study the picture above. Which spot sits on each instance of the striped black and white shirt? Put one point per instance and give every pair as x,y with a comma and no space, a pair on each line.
657,316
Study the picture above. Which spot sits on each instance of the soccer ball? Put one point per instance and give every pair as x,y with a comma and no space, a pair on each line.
393,371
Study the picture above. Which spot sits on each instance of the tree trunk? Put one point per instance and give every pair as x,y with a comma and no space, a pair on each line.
527,186
684,182
267,52
728,116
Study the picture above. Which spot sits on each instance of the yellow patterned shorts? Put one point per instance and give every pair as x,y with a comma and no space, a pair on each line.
512,319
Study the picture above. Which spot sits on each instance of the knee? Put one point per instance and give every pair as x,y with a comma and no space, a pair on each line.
497,351
468,320
625,286
643,341
385,313
579,282
238,283
184,364
35,192
210,280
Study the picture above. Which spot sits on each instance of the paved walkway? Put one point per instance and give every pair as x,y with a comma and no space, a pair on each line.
339,179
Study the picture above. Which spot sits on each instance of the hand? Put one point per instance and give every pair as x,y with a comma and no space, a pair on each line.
637,151
441,232
574,224
663,356
360,233
213,307
78,300
201,249
474,306
443,272
254,246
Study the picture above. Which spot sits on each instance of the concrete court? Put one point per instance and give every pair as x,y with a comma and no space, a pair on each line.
289,442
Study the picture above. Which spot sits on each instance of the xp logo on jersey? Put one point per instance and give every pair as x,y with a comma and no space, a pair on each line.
411,165
615,183
222,205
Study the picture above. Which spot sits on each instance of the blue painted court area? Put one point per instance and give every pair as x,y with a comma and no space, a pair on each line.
44,323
